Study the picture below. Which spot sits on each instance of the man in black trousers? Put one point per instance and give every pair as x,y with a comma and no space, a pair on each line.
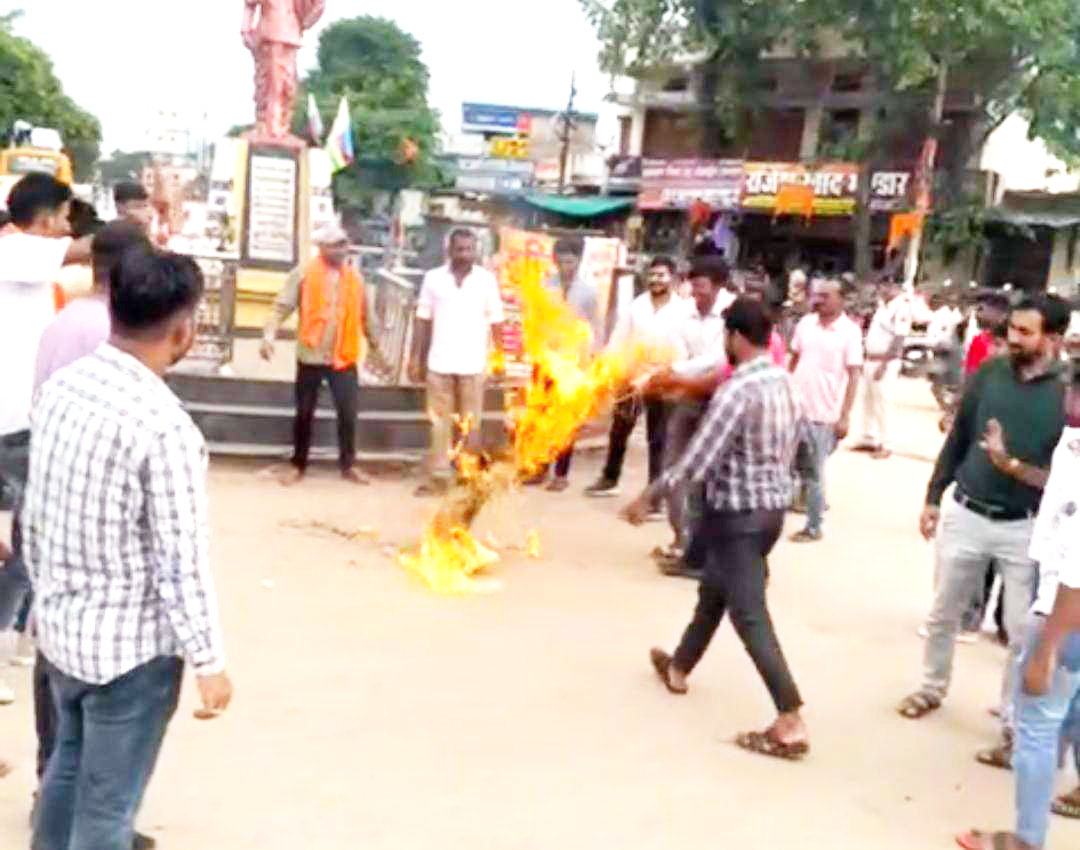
743,454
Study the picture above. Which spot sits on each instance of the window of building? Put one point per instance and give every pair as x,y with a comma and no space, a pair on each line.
839,129
677,84
626,129
850,82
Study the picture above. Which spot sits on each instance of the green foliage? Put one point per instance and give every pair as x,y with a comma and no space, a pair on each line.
123,165
30,90
378,68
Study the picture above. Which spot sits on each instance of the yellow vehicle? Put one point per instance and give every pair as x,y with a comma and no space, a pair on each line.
18,162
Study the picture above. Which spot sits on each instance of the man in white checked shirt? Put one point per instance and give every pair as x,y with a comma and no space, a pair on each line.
116,541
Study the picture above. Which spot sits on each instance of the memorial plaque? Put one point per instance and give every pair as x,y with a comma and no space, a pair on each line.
272,209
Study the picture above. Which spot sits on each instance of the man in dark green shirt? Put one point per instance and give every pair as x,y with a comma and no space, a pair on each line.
998,456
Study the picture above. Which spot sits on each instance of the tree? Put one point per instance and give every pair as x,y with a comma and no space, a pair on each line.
1008,58
124,166
377,66
30,90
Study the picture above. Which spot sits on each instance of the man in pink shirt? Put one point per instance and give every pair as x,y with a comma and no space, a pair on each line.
84,323
827,359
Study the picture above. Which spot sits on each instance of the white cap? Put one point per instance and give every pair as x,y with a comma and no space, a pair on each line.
330,234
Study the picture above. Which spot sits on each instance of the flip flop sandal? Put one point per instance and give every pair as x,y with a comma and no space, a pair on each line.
999,756
973,840
1065,809
765,744
661,663
918,705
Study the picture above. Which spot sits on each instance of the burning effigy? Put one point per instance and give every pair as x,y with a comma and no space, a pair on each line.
568,386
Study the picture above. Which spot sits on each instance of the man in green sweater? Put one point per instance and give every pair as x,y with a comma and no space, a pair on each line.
998,457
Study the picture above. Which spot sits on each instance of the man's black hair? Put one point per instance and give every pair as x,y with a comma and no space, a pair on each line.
36,194
148,288
993,298
128,191
750,318
83,219
714,268
1054,309
461,233
573,245
111,242
667,262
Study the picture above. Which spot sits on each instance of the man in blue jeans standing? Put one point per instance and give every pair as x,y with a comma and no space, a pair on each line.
1051,684
827,359
117,465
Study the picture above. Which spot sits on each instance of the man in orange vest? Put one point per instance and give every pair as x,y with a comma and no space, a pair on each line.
329,293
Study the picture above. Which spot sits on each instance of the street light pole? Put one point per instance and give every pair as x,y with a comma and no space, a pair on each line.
569,124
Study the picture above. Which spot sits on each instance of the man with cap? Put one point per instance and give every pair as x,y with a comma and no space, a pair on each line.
329,293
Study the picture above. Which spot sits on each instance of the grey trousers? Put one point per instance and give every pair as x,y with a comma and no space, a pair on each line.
685,503
966,544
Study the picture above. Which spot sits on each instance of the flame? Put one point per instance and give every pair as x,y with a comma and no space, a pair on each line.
568,387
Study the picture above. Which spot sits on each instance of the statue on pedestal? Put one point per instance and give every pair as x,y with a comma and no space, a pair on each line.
273,31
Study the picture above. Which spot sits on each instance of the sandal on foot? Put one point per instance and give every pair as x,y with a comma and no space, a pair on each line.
1066,806
661,663
999,756
764,743
918,705
976,840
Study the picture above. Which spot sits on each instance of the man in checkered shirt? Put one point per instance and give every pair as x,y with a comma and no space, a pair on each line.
743,452
116,539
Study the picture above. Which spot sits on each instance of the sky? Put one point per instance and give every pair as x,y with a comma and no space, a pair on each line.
125,60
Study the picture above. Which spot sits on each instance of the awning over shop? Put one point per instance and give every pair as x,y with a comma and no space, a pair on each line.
580,206
1033,209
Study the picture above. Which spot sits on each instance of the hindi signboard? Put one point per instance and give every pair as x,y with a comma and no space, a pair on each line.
835,186
271,209
677,183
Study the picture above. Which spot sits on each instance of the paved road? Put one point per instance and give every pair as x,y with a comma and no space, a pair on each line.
370,714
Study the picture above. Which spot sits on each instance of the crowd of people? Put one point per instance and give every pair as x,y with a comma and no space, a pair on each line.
108,567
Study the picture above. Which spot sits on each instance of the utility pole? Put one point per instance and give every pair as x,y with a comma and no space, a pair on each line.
569,125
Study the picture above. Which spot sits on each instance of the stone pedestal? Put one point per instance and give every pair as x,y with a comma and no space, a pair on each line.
274,221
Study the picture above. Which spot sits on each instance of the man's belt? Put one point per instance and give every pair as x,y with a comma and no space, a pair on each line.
990,511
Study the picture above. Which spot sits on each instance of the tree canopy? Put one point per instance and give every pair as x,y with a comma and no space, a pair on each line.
378,67
30,90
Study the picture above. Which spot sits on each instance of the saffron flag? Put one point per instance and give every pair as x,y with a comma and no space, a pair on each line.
339,145
314,121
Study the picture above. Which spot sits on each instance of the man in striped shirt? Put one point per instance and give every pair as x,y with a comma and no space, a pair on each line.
116,541
743,453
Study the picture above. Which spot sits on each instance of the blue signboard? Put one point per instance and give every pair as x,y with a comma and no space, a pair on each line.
484,118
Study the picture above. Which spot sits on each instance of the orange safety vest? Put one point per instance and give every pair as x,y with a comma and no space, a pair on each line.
315,311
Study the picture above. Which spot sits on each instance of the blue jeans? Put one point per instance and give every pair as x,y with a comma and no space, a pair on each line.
14,581
821,437
108,742
1039,724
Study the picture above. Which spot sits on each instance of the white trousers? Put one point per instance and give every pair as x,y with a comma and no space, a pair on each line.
875,401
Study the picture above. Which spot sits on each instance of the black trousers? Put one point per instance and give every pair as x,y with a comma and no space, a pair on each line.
345,389
623,421
737,546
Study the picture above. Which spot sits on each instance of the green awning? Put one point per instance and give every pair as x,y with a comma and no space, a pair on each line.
583,206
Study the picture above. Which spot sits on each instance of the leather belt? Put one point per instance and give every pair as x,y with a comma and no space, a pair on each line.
990,511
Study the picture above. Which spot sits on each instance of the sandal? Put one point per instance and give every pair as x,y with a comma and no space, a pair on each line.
918,705
1067,805
661,663
999,756
974,840
764,743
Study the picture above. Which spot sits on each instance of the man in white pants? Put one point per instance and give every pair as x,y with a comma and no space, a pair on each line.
881,367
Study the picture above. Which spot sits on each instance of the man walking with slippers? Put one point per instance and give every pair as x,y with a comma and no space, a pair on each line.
743,453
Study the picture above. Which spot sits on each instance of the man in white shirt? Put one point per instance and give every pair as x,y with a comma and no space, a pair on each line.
654,319
33,250
827,359
889,328
458,312
1051,657
689,384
